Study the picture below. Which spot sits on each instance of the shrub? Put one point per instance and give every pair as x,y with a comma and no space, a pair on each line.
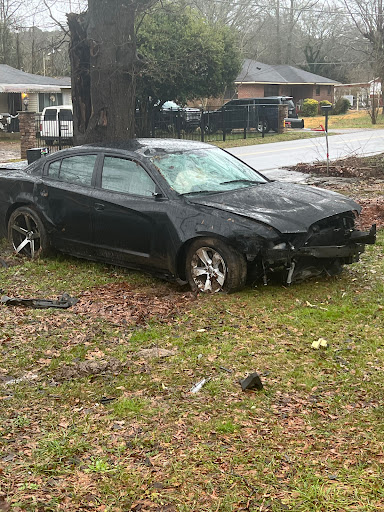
342,106
310,107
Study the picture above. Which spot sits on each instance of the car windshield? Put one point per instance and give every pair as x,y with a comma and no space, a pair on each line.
205,171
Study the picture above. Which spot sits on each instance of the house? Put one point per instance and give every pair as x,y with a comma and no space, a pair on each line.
20,90
361,94
259,80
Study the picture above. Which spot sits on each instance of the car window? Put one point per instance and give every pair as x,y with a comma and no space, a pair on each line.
50,115
54,169
127,176
76,169
65,114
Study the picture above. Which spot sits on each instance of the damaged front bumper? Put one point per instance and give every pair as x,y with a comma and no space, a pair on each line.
289,255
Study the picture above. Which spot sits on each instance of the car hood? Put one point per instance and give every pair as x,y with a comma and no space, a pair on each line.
286,207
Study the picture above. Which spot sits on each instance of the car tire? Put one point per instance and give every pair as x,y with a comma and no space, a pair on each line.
213,266
27,234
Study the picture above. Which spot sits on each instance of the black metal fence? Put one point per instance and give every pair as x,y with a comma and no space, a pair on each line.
218,124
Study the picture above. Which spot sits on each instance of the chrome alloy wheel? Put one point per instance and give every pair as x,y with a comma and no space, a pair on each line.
25,235
208,270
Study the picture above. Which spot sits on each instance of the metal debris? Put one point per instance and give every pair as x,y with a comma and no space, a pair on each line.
63,302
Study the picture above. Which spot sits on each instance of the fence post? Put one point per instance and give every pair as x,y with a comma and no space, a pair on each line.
202,126
27,132
59,127
223,112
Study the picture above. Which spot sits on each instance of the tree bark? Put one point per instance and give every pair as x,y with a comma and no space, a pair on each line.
103,59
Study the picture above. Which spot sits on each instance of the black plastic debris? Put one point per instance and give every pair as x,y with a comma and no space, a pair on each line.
106,400
63,302
253,381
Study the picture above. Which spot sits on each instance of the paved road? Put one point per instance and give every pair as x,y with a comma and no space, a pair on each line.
269,157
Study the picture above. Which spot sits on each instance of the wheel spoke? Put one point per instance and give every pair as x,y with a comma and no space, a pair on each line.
19,229
220,278
203,255
199,271
208,284
22,245
32,249
28,222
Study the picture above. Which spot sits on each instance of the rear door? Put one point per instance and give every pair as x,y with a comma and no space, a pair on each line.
63,195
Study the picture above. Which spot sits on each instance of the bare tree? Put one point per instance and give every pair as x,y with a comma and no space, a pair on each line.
368,17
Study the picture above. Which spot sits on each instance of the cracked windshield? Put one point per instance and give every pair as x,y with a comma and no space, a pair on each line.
205,171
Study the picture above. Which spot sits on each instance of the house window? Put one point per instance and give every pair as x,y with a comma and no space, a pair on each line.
271,90
317,90
49,99
329,90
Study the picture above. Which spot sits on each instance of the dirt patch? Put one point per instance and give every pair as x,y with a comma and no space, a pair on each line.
360,178
351,167
89,368
9,150
120,304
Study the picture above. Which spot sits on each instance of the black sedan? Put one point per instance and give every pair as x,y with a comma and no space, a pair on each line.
183,210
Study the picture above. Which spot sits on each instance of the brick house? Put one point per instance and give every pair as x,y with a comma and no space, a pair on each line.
257,80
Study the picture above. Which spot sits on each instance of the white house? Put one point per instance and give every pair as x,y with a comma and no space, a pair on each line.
19,90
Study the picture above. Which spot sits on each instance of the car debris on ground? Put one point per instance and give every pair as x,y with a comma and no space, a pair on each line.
63,302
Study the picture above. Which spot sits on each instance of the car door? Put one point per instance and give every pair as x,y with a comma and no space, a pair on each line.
63,196
129,220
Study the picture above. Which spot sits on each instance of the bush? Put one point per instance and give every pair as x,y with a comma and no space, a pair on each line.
342,106
310,108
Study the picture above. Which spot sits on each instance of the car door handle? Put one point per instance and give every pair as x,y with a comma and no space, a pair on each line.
44,192
99,207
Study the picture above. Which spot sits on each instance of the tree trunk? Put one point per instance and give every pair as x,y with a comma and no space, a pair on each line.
103,60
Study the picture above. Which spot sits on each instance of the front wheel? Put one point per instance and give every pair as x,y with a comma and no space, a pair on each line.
213,266
27,233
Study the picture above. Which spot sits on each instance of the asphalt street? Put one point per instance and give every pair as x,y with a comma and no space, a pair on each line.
271,158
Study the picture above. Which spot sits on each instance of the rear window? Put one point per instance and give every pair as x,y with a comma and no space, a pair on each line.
65,114
289,103
50,115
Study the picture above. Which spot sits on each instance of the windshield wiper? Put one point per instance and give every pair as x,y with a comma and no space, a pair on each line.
241,181
194,192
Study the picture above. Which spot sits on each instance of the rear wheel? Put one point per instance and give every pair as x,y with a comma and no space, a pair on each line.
260,124
213,266
27,233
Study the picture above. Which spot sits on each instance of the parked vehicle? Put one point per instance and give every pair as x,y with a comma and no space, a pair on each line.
56,122
183,210
261,114
171,117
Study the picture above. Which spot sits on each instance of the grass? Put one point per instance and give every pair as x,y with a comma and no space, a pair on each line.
352,119
134,435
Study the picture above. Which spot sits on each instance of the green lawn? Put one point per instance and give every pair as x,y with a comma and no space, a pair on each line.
93,421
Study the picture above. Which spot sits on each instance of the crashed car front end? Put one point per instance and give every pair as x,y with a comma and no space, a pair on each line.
327,245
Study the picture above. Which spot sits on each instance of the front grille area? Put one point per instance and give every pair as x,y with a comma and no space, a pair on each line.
334,230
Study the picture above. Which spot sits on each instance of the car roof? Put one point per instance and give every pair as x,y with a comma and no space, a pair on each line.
58,107
145,147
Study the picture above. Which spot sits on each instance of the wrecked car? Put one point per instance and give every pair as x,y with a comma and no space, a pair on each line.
184,210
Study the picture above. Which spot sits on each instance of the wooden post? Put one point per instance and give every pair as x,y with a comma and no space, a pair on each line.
28,139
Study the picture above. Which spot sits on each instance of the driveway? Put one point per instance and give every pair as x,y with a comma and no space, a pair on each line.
271,158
